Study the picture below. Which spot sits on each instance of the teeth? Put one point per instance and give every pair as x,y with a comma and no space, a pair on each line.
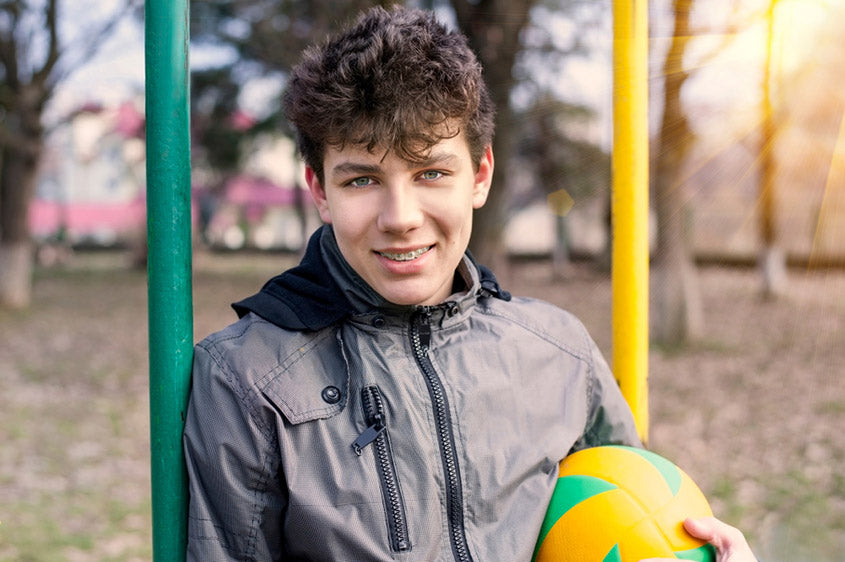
407,256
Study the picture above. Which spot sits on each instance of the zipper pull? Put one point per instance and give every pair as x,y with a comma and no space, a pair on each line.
424,328
369,435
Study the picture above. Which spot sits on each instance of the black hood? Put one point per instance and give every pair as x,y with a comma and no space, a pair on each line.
308,296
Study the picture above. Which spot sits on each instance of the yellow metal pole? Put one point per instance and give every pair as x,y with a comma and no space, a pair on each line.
630,205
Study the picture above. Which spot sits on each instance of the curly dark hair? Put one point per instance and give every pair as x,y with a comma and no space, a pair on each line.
397,80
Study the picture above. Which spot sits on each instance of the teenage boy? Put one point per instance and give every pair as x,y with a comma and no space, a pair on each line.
386,399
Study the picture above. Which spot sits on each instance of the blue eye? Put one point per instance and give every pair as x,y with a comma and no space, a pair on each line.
431,175
361,182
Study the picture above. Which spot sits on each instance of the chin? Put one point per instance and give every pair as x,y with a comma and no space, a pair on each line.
405,300
410,298
411,292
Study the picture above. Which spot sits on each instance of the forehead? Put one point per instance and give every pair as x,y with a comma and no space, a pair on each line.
454,150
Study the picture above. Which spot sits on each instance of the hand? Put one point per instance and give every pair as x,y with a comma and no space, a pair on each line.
730,544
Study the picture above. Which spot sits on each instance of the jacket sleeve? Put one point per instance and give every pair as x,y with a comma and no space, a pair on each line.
236,497
609,419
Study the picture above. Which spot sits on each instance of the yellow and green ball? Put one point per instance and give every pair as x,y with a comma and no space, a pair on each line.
621,504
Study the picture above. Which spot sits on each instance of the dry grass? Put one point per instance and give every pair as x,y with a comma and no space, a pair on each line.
754,412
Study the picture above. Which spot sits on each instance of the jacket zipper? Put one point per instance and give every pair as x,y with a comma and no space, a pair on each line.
376,433
420,340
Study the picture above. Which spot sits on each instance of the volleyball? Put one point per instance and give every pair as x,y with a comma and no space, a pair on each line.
621,504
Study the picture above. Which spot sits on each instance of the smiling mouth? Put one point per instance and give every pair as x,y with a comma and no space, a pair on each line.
406,256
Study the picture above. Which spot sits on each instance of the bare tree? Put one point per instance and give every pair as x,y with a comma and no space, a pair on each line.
567,167
493,28
28,78
676,314
772,257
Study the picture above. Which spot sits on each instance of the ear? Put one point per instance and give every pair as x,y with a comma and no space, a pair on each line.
483,178
318,194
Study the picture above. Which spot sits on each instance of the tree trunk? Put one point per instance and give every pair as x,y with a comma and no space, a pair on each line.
16,263
17,187
487,242
29,76
772,260
677,312
561,260
493,29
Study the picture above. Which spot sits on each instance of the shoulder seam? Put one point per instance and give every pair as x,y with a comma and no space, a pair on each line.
550,338
246,395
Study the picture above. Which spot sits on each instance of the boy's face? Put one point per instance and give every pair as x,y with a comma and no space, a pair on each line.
403,226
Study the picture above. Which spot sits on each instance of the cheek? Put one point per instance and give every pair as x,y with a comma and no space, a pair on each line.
450,208
456,221
349,221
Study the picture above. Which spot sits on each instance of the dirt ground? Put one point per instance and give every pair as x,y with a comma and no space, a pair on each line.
754,412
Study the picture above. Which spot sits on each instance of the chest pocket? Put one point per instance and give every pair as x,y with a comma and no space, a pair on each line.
377,436
337,459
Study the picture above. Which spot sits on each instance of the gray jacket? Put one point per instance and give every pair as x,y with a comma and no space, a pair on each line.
389,433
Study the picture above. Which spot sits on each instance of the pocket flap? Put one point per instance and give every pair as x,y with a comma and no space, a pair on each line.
313,382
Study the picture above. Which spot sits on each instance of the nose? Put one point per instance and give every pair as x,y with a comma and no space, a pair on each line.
400,210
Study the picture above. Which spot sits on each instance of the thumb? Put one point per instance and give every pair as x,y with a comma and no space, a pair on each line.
727,540
703,528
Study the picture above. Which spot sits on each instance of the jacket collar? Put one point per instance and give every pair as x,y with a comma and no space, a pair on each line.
324,289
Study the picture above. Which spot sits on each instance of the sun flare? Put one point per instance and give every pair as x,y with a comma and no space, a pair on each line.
796,32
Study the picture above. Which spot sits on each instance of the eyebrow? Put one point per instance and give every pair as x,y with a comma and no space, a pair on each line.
352,167
438,159
345,168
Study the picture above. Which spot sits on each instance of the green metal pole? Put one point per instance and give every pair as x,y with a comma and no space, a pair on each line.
169,267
